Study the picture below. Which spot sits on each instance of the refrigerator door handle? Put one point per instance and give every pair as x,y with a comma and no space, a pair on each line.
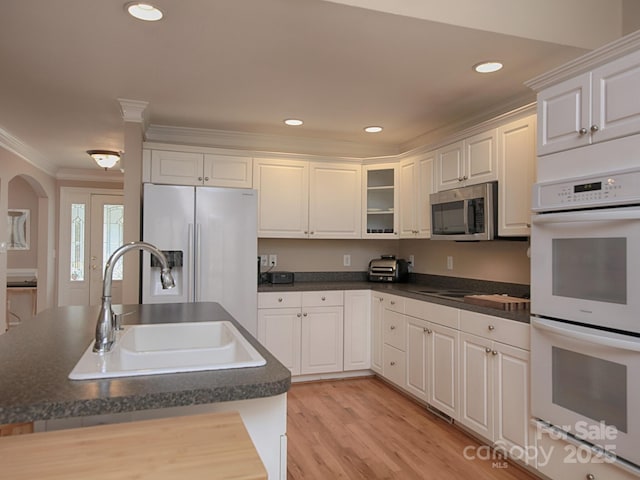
196,264
190,261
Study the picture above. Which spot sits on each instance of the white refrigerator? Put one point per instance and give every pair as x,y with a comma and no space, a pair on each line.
210,234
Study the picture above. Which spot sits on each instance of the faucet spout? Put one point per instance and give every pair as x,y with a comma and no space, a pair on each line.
105,327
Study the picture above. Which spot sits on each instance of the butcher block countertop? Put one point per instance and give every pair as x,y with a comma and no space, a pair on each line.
211,446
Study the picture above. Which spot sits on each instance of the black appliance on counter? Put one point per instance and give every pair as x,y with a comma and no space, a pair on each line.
388,268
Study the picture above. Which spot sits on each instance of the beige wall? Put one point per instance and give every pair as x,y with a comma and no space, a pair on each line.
499,261
22,196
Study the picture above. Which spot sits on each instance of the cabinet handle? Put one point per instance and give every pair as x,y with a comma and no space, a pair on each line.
305,232
583,131
591,476
199,179
304,314
429,331
460,179
298,315
494,352
465,177
323,298
206,179
280,299
392,363
392,327
392,302
380,299
491,328
487,349
311,232
594,128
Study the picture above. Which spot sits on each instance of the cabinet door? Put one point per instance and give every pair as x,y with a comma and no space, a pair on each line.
511,398
450,166
480,154
417,374
425,188
357,330
616,98
563,110
408,176
380,201
322,340
394,329
443,370
335,209
283,198
393,365
377,311
279,332
476,386
176,168
517,166
227,171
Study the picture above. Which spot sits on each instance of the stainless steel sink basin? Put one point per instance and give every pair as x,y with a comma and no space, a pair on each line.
169,348
445,293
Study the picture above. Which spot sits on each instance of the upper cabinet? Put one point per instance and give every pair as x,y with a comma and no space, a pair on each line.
300,199
467,162
380,201
516,165
595,106
194,168
416,184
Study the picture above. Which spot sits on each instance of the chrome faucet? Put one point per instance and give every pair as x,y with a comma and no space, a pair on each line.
106,328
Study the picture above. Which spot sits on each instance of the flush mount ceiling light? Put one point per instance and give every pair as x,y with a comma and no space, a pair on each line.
373,129
294,122
487,67
105,158
144,11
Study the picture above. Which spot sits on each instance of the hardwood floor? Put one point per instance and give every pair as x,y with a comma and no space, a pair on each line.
364,429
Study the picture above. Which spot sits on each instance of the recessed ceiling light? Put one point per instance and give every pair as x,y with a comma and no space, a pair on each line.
143,11
487,67
294,122
373,129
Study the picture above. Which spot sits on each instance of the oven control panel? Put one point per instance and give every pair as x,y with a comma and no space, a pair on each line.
607,189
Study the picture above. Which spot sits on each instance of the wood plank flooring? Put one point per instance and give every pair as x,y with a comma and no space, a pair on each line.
364,429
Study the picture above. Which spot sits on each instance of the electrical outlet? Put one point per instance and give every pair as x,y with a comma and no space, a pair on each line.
346,260
264,260
449,262
273,260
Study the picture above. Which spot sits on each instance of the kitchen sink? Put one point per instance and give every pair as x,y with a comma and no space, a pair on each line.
169,348
445,293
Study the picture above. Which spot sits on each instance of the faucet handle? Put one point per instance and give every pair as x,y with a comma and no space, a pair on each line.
117,319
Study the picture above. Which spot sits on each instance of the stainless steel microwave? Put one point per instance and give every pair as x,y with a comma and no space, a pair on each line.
466,213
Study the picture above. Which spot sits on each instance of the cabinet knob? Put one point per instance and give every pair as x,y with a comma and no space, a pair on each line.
583,131
306,232
199,179
304,314
280,299
311,232
380,299
392,327
494,352
590,476
392,363
429,331
487,349
594,128
206,179
392,302
323,298
491,327
298,315
460,179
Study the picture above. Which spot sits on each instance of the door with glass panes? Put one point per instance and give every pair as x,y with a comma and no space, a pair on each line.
91,228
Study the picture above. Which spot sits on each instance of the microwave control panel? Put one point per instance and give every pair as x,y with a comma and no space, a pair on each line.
607,189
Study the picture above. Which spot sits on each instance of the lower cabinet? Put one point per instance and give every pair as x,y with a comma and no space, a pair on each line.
357,330
394,346
443,370
377,311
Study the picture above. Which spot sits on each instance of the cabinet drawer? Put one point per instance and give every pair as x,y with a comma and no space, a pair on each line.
495,328
394,327
442,315
394,364
279,299
322,298
394,303
560,460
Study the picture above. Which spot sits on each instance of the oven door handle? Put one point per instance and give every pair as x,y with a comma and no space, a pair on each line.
608,215
600,337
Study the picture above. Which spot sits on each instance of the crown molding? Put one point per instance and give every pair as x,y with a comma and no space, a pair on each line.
90,175
623,46
265,142
27,153
133,110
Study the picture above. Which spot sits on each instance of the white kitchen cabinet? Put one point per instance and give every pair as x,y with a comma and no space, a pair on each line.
467,162
394,344
335,208
380,200
283,197
494,381
416,184
300,199
377,312
195,168
443,370
357,330
592,107
304,330
417,380
517,172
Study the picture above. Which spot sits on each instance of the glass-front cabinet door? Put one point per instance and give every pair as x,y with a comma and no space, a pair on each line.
380,201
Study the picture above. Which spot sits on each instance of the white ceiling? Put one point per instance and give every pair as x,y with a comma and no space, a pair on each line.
245,65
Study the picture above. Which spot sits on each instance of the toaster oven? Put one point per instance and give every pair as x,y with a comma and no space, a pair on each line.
388,268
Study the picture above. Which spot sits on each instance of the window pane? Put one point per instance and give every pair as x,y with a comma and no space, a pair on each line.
112,218
77,242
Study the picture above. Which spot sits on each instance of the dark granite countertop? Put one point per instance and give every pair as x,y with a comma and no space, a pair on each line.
405,289
37,356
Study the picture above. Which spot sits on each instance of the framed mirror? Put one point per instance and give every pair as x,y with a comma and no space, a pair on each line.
19,229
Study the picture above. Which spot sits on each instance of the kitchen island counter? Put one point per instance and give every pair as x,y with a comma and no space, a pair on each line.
37,356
